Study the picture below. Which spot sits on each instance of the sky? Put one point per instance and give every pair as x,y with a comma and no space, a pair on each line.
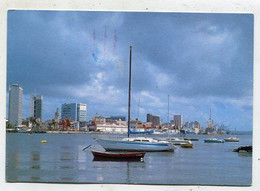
202,61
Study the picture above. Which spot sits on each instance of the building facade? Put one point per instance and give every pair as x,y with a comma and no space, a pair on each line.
15,109
81,112
36,106
57,114
74,111
115,118
177,121
155,119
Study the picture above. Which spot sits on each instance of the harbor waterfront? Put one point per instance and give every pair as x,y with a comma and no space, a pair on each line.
61,159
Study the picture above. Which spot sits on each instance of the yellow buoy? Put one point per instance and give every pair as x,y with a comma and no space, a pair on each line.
44,141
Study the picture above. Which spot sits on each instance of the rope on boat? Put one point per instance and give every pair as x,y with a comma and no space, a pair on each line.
86,147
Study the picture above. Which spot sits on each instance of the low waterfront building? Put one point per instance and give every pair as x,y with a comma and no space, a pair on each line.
115,118
109,127
99,123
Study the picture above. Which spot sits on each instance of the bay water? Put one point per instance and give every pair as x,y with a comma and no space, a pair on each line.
62,160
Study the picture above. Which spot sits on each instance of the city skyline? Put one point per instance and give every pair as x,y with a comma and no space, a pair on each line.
202,61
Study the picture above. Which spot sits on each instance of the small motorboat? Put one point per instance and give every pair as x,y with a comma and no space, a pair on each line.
243,149
187,145
117,156
213,140
177,141
232,139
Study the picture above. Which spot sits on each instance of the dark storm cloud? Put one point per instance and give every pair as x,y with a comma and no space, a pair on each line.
84,56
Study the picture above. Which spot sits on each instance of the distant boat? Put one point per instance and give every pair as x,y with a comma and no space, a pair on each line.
187,145
116,156
213,140
211,129
232,139
191,139
244,149
177,141
134,144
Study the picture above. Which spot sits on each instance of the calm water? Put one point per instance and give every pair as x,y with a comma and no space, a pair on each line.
61,159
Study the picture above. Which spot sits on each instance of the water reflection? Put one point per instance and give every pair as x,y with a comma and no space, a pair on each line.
35,156
134,167
35,178
12,166
66,178
66,156
245,154
35,167
35,159
66,167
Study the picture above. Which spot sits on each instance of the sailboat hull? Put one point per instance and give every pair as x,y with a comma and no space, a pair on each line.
114,145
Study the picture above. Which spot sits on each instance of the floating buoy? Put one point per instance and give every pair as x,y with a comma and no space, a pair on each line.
44,141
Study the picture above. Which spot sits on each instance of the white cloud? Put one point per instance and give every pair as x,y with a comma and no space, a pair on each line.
162,80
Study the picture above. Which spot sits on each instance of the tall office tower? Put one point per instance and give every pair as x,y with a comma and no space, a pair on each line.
149,117
36,106
177,121
74,111
69,110
15,110
81,112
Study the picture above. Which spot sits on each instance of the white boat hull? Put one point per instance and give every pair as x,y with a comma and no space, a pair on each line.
120,145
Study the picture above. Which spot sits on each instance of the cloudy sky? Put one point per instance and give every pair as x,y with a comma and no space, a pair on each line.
201,61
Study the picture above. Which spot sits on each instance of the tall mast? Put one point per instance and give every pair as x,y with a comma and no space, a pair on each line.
129,92
138,108
168,109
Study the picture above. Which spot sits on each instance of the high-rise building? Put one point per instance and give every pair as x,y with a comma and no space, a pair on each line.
81,112
15,110
74,111
149,117
177,121
36,106
155,119
69,110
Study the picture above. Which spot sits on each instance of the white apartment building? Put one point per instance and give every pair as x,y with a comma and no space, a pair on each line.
15,110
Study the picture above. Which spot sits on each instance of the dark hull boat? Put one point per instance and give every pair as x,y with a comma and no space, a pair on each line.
191,139
117,156
243,149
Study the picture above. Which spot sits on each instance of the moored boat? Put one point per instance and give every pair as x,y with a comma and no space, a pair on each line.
243,149
136,144
177,141
213,140
117,156
187,145
191,139
232,139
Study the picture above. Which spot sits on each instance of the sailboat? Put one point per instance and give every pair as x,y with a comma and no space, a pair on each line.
136,143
